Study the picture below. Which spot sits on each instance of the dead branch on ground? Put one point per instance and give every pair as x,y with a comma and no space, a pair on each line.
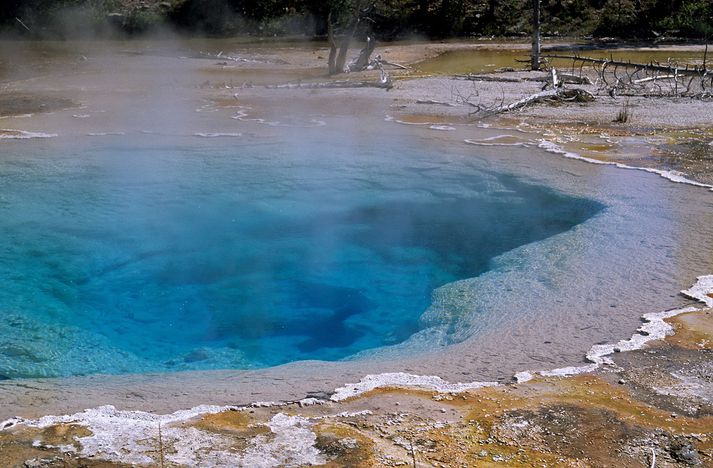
670,67
557,93
567,78
433,102
613,77
552,95
654,79
331,85
384,82
495,78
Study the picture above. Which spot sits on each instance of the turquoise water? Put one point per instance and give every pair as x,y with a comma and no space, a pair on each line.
137,256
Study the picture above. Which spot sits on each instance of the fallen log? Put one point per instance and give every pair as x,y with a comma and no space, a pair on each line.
378,64
391,64
650,66
702,95
220,56
569,78
537,97
501,79
552,95
655,78
557,79
227,58
384,82
435,103
566,78
333,85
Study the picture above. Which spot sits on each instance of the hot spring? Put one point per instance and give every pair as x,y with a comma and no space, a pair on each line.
131,257
288,240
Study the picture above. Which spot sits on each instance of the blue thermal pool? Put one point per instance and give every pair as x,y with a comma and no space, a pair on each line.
121,257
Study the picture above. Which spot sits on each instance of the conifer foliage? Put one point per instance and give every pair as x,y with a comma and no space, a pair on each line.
635,19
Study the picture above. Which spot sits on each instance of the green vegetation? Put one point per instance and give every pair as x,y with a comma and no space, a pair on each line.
638,19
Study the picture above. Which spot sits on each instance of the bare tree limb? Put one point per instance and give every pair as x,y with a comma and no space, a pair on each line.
362,61
22,24
332,60
667,68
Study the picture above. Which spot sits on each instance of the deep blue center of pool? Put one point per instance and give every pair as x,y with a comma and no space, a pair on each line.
213,257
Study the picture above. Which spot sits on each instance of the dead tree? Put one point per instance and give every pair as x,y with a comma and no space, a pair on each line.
332,60
557,93
552,95
625,78
535,64
338,55
362,61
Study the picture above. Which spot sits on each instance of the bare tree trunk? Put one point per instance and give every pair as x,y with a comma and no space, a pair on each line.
332,60
338,57
346,40
363,60
535,34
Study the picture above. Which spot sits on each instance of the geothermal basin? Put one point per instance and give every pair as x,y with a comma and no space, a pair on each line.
190,236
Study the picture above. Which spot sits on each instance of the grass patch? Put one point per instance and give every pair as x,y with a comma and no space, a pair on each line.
624,115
